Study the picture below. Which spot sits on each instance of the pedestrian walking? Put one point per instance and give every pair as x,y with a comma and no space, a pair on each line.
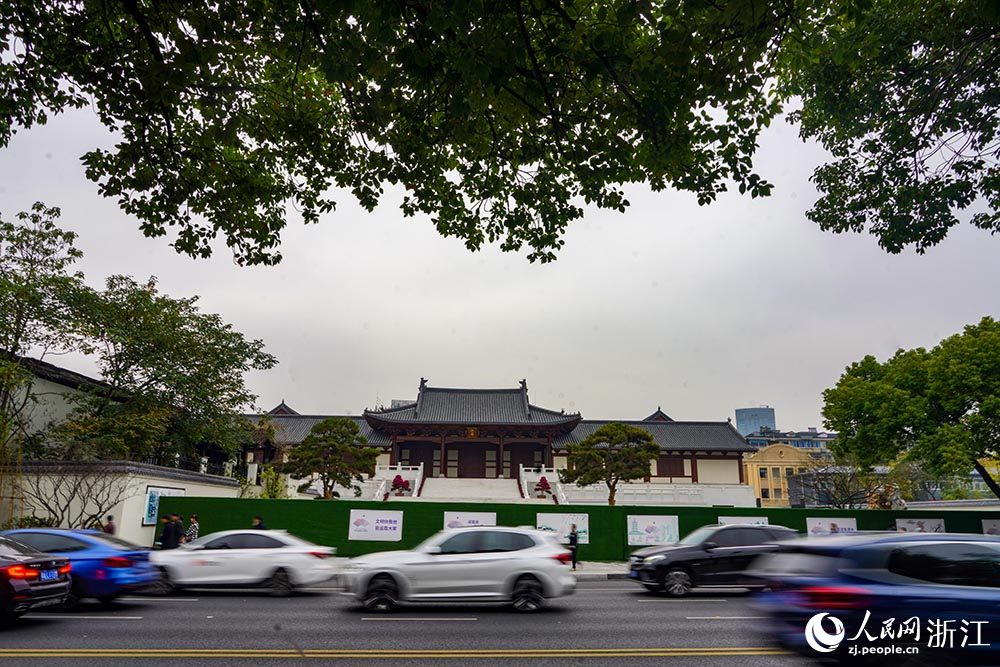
109,525
258,523
574,540
191,534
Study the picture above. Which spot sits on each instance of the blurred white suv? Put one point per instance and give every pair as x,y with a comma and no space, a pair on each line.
520,566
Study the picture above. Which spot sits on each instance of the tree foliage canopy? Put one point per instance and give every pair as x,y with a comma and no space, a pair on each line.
613,453
498,119
335,452
940,407
903,93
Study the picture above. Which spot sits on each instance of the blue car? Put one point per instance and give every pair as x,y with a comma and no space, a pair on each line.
893,598
104,566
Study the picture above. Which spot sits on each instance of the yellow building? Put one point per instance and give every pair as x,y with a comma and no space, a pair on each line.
768,469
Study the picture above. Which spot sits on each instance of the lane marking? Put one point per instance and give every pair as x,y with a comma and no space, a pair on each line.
138,599
723,618
71,617
375,618
696,600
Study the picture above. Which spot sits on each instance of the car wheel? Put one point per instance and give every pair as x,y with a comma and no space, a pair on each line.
164,585
280,584
382,595
677,582
527,595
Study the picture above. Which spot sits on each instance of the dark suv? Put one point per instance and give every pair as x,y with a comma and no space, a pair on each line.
709,556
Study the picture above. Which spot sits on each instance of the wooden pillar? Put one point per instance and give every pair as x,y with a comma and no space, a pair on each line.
392,450
500,463
694,468
444,459
740,462
548,453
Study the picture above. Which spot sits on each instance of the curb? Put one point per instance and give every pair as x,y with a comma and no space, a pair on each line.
600,577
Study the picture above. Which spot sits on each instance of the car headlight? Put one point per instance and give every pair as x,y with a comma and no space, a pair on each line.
652,559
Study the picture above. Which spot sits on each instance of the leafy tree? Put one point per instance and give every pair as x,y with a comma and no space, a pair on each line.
498,119
903,93
174,376
272,484
940,407
36,288
613,453
334,452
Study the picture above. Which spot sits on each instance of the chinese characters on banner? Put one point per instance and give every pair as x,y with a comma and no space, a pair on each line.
830,525
375,526
462,519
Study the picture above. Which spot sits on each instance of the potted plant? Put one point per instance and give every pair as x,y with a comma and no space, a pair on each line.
400,486
543,487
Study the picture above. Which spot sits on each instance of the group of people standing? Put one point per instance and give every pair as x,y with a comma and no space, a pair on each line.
175,534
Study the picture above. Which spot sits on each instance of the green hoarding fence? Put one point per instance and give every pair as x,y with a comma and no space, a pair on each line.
326,522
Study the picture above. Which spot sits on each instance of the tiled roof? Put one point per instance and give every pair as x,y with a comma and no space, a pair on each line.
293,429
658,416
438,405
670,436
282,409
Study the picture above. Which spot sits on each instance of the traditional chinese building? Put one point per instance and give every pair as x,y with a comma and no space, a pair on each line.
491,433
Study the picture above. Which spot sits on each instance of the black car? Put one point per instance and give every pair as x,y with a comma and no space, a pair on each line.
29,578
709,556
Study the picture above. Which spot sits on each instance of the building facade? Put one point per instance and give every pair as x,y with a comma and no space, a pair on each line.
772,469
493,433
749,420
810,440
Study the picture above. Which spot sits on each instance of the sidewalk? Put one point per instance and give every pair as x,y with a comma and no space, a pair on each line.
594,571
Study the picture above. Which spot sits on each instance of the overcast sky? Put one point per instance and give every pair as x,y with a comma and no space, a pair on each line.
698,310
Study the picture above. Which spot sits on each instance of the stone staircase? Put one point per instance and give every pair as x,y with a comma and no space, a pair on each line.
471,490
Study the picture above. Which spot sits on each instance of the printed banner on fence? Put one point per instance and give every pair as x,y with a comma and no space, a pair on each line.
560,523
920,525
644,529
375,525
991,526
830,525
752,520
462,519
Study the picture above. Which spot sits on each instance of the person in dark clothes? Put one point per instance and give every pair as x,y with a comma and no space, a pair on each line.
109,526
170,538
574,540
258,522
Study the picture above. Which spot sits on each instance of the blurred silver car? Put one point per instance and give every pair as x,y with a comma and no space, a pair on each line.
521,566
274,559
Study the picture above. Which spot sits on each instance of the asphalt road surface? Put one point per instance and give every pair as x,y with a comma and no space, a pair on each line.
604,623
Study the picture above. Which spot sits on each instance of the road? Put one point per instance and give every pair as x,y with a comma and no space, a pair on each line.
605,623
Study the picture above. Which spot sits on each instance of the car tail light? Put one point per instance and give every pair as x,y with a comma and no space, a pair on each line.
66,568
835,597
564,558
118,561
319,554
19,572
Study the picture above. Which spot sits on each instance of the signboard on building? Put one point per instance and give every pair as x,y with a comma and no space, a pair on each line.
375,526
560,524
153,494
644,529
462,519
830,525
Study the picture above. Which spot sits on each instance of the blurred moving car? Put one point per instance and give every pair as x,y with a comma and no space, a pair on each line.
104,566
520,566
715,555
274,559
29,579
886,577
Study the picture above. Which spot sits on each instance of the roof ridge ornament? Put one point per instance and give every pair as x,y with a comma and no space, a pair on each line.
420,396
524,397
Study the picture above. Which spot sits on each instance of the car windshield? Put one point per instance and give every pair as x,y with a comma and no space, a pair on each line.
9,547
698,536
